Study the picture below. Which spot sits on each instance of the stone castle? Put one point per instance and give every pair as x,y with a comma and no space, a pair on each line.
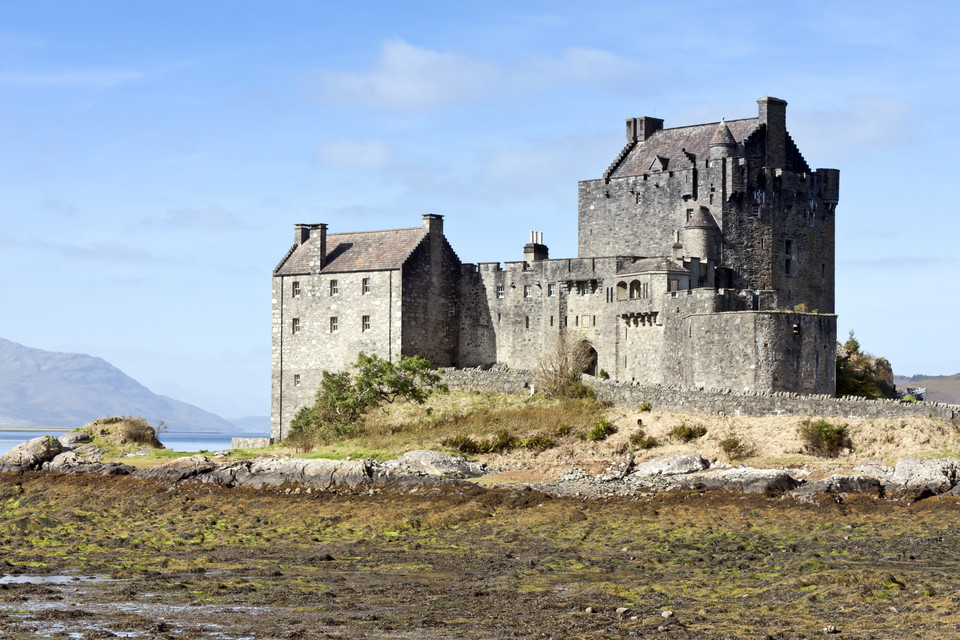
706,259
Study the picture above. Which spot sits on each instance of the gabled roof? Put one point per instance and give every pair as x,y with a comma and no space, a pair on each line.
652,265
678,143
358,251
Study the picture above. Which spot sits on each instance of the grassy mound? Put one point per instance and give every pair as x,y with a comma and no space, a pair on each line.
123,433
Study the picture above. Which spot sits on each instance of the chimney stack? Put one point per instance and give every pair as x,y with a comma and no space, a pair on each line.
639,129
773,113
432,223
535,250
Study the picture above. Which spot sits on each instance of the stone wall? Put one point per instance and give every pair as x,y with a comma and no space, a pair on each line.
712,401
301,356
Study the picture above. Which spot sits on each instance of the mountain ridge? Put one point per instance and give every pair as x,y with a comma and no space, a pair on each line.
39,387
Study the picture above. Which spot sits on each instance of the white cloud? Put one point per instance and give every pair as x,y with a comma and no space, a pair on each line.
88,78
213,218
351,154
409,78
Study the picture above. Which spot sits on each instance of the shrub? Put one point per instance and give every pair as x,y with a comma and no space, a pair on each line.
600,431
641,440
685,433
603,375
823,438
735,448
500,442
563,430
908,399
537,443
644,407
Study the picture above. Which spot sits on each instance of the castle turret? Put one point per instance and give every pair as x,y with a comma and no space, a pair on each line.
723,143
701,236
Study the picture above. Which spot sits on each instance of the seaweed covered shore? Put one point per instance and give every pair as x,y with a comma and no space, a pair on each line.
94,556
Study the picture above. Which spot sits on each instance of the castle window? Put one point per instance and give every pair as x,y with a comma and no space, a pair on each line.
296,325
634,289
296,288
551,290
499,290
453,310
334,324
498,318
296,379
576,321
788,259
622,291
551,321
334,288
365,289
527,321
528,291
365,323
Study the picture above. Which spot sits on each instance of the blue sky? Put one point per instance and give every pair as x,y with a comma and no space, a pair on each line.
155,154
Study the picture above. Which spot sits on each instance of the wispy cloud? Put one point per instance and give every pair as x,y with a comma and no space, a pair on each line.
75,78
364,154
408,78
212,218
102,251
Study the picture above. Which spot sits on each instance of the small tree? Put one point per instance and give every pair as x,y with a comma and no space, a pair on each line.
558,369
343,398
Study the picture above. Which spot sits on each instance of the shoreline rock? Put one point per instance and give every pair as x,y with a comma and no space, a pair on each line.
911,478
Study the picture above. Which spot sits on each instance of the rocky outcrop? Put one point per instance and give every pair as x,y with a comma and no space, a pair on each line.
677,464
30,455
430,463
266,472
177,470
840,485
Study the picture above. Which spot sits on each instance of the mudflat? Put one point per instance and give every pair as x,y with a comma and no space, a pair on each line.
96,557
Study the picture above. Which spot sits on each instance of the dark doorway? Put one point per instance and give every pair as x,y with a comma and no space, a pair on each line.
590,359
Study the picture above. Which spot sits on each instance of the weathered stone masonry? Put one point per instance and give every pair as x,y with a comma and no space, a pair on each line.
706,259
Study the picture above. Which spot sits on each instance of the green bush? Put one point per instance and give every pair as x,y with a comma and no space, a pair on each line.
603,375
600,431
685,433
908,399
537,443
823,438
641,440
344,398
501,441
644,407
563,430
735,448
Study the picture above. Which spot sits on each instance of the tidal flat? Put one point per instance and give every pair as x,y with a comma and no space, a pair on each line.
99,557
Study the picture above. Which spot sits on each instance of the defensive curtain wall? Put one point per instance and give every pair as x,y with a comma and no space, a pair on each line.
711,401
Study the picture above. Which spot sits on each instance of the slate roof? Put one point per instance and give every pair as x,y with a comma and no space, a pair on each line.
648,265
702,219
358,251
678,143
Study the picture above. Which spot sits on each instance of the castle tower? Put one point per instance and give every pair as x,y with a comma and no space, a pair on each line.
723,144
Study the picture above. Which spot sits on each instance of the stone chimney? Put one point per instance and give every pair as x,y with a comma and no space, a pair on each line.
639,129
432,223
304,232
535,250
773,113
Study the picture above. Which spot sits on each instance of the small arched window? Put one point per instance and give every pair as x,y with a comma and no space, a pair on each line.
634,289
621,291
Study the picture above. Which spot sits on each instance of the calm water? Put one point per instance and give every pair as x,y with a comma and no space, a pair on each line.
175,440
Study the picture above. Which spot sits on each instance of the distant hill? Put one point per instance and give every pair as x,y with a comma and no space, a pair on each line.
252,424
939,388
50,388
